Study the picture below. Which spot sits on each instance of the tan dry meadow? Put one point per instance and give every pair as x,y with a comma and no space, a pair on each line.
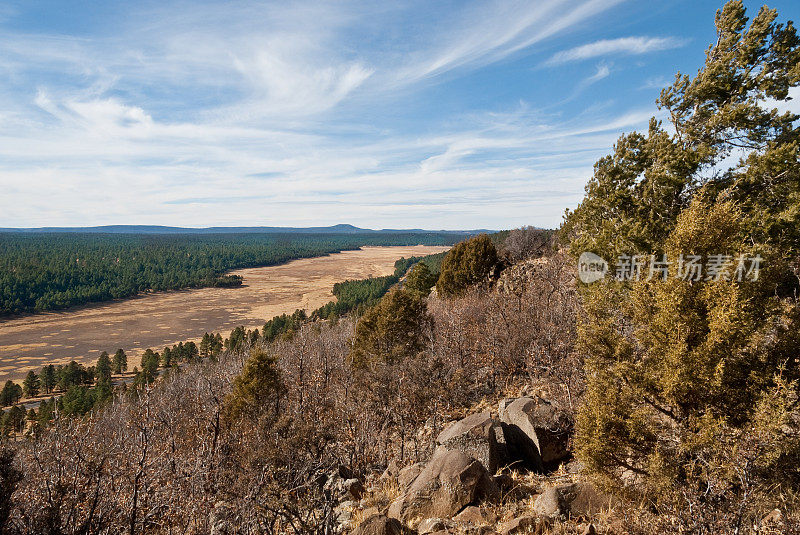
160,319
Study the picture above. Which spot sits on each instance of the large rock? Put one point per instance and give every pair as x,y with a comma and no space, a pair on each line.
449,482
379,525
550,503
408,474
537,430
475,436
573,499
471,515
586,500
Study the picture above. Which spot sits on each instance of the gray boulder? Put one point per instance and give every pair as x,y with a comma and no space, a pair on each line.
379,525
550,503
475,436
449,482
537,430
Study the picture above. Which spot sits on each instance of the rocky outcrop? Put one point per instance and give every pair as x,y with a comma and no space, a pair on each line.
537,431
479,436
379,525
449,482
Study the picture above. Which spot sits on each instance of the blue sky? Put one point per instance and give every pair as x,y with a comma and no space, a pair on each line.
380,114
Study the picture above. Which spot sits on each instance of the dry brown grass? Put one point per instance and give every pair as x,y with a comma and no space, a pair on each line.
157,320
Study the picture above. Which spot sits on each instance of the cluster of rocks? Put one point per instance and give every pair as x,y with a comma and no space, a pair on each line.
530,433
468,468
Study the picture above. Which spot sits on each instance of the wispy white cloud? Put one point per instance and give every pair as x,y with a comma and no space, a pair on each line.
622,45
251,113
603,70
103,162
491,32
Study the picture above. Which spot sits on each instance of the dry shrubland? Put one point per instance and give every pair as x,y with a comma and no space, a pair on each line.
164,457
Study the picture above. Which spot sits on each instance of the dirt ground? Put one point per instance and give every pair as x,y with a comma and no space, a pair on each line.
160,319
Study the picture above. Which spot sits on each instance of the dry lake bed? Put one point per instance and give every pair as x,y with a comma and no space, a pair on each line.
160,319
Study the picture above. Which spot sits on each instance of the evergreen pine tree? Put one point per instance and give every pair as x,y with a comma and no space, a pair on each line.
31,385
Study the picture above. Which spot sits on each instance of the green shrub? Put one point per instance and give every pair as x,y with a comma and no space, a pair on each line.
391,330
420,279
468,263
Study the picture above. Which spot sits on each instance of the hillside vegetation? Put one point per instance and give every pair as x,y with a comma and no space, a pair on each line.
514,398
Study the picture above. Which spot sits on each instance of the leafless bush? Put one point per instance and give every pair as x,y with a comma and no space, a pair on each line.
524,333
526,242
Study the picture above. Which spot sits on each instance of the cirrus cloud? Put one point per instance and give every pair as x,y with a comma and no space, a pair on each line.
622,45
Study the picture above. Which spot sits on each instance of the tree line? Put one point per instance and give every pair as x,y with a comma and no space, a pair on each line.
52,271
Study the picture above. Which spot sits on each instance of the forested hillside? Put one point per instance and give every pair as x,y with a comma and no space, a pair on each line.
51,271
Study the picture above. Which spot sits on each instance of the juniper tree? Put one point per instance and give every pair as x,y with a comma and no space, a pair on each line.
257,389
691,384
420,279
636,194
468,263
391,330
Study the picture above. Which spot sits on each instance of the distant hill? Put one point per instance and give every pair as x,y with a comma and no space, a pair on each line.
158,229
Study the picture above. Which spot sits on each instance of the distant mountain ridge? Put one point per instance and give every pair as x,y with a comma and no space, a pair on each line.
159,229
